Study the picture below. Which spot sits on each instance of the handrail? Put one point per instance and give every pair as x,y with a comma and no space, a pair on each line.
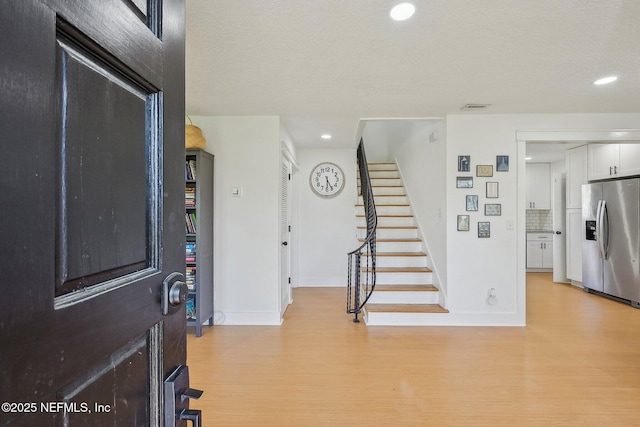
359,289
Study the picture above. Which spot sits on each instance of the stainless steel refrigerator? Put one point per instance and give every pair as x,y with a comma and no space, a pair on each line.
611,238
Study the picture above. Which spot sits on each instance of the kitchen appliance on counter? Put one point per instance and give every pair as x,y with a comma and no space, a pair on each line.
611,239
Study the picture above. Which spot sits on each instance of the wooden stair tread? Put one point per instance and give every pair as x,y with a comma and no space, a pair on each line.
385,204
405,308
400,269
397,254
409,240
391,227
406,288
389,216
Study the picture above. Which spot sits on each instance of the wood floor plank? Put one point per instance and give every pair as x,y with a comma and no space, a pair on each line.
576,363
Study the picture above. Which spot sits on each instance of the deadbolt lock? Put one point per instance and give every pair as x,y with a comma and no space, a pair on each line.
174,293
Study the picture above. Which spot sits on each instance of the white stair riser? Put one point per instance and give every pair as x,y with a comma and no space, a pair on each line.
383,174
387,210
403,297
381,166
387,190
378,182
398,246
401,261
400,221
404,278
404,319
388,200
391,233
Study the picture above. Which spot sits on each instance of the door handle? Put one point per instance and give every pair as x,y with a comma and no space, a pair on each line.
285,243
193,415
176,399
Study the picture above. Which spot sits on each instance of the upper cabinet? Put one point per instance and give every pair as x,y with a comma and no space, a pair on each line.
538,186
576,165
608,161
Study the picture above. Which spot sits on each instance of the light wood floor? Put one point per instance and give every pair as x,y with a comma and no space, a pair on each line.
576,363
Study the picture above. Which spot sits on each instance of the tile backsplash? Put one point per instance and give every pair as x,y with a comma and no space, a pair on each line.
539,220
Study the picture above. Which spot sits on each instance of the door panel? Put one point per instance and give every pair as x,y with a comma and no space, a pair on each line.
92,186
285,234
621,271
105,199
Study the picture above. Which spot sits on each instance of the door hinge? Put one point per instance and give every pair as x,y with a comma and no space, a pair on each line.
289,229
289,177
289,280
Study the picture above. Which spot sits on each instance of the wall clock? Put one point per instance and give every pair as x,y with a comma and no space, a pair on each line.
327,179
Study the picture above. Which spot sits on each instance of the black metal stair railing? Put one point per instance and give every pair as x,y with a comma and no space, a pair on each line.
361,279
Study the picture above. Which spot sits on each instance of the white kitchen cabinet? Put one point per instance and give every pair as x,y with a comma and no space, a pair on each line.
574,229
540,250
576,165
608,161
538,186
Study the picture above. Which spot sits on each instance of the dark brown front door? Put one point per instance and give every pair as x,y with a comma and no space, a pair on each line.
91,202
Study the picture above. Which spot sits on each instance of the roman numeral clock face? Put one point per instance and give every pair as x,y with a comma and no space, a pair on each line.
327,179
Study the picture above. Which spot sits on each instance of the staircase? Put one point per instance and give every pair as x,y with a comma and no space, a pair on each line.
404,293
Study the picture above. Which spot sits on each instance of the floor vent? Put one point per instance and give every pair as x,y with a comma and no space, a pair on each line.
474,107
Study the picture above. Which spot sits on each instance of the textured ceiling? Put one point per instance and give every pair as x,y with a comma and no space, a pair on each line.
324,64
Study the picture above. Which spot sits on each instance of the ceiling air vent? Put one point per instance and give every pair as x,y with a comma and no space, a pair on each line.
474,107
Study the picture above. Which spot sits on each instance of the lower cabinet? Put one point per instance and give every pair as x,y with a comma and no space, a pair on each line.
540,250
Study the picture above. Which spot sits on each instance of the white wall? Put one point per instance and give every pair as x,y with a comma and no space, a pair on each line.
246,238
421,161
326,227
475,265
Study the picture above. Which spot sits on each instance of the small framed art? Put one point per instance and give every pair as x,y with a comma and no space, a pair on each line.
463,222
464,163
484,229
472,202
492,190
464,182
502,163
493,209
484,170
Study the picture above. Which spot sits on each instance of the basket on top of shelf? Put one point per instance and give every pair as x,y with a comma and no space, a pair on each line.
193,136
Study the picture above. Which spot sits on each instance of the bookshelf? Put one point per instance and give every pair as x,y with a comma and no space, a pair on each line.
199,238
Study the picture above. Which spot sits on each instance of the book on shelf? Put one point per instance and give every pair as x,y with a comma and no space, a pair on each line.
190,222
190,170
190,252
190,196
190,278
191,308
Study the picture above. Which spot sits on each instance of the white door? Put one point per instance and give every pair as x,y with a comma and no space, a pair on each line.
285,235
559,239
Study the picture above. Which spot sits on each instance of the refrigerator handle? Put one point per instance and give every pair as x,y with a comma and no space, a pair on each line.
605,229
599,236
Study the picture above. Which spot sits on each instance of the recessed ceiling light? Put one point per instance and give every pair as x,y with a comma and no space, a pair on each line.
325,136
528,158
402,11
606,80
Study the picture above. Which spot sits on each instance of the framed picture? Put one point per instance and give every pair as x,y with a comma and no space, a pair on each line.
492,190
484,229
484,170
463,222
464,163
472,202
493,209
464,182
502,163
